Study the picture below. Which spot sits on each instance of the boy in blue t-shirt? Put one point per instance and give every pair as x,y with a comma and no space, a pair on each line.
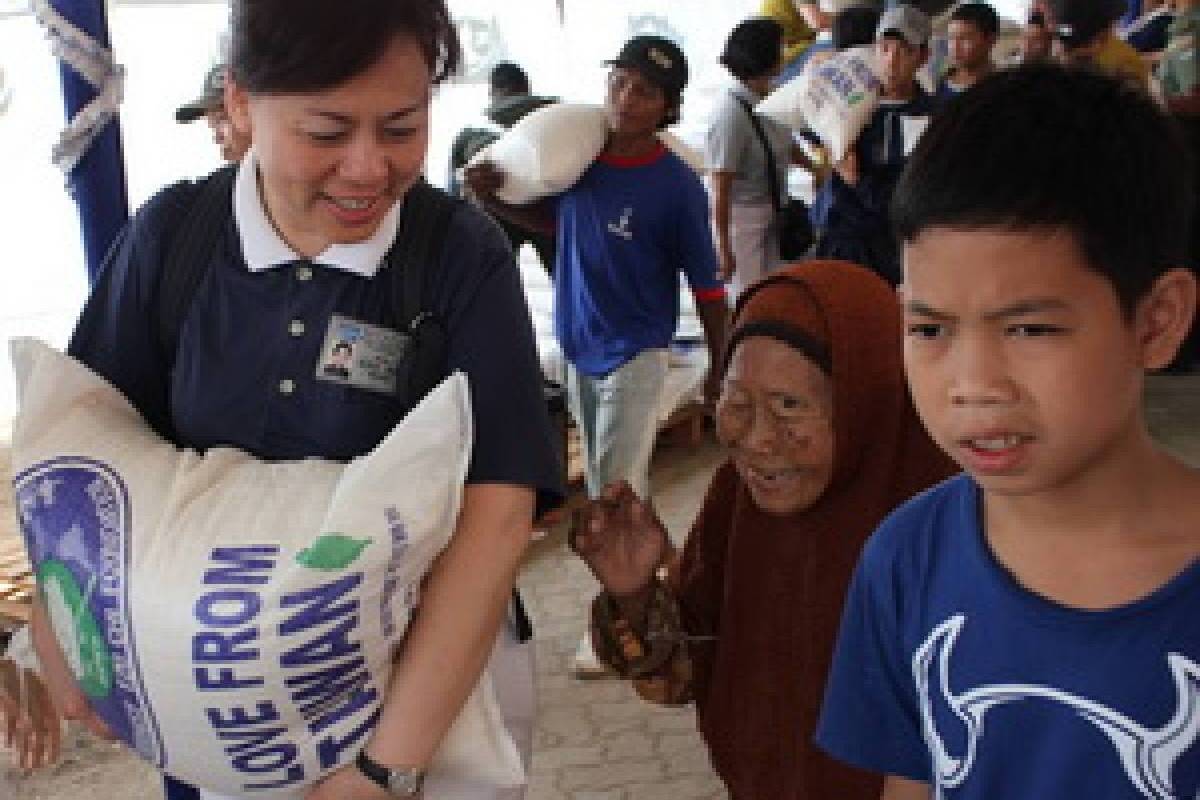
1030,629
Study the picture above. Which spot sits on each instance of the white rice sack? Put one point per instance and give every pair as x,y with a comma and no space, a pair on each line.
835,99
234,620
691,156
550,148
547,151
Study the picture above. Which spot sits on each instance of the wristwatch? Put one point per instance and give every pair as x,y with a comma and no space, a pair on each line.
398,781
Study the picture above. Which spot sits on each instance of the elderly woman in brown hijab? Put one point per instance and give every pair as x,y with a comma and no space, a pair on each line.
823,443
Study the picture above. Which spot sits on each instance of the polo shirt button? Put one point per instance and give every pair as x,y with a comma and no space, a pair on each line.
287,386
296,327
304,272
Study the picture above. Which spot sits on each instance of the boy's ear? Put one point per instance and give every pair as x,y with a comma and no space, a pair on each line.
1164,317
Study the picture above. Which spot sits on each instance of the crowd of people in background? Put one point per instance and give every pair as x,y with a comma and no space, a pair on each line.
1033,209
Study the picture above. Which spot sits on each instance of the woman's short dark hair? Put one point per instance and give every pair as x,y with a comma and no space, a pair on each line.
753,48
1047,147
279,46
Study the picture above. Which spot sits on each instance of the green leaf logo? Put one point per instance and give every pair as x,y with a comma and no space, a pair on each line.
332,551
854,99
76,629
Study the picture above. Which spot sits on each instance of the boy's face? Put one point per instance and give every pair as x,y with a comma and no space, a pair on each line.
969,47
1021,363
898,63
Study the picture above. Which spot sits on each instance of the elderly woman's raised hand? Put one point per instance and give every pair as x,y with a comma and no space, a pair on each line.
621,540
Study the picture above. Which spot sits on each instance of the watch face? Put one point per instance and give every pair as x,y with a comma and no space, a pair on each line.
404,782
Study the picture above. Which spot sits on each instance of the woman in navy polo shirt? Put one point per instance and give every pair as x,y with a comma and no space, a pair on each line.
336,100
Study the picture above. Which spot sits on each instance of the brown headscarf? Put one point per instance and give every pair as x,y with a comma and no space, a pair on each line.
770,588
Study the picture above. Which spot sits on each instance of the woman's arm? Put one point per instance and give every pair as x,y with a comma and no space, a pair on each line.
903,789
448,645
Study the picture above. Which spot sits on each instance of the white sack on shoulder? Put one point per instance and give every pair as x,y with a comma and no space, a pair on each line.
691,156
547,151
234,620
550,148
834,99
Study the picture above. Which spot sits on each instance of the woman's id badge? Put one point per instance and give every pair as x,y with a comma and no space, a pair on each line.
361,355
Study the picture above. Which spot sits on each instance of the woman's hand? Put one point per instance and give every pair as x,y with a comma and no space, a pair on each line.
348,783
29,725
483,180
63,691
621,540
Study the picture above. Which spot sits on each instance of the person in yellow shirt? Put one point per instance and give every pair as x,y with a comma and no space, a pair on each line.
797,35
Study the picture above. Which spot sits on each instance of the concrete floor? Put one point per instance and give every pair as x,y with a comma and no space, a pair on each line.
595,740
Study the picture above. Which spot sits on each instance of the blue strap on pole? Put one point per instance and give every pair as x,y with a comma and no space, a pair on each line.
89,150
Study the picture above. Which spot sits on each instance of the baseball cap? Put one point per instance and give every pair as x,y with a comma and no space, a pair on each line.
1078,23
911,24
211,97
659,59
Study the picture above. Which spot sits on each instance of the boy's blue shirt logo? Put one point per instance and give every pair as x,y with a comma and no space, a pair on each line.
1147,755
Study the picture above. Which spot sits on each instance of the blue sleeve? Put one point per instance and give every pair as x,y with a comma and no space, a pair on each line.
117,334
871,717
491,340
697,255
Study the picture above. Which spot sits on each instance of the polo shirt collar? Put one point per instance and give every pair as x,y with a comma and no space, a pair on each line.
263,248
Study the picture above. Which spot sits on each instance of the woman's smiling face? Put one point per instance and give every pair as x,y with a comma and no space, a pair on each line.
332,162
775,415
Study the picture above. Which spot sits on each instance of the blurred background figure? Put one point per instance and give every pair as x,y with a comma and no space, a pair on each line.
509,99
1086,30
210,106
971,36
1036,40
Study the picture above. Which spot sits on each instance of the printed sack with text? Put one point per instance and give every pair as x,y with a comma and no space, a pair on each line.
233,620
834,99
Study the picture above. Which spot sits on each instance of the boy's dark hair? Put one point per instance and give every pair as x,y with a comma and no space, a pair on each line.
1045,147
854,27
981,15
508,77
281,46
753,48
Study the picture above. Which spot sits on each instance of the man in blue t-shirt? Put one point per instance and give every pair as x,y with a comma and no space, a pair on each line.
636,218
1029,629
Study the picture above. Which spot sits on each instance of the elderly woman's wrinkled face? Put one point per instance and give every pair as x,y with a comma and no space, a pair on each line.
331,163
775,415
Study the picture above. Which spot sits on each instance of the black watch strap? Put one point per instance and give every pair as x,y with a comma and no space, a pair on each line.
376,772
390,779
